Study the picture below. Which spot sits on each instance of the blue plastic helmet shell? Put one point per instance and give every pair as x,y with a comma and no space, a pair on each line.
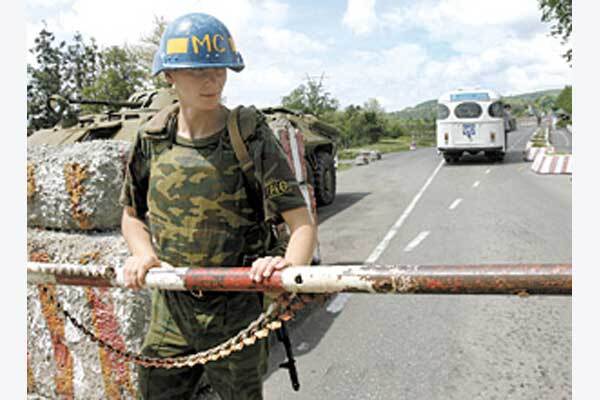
196,41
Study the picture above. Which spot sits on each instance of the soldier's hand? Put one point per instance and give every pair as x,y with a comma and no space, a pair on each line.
264,267
136,268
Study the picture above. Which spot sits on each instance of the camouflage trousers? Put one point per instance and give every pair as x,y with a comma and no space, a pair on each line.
183,324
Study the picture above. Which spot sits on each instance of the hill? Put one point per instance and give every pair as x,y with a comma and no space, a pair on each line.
425,110
519,102
533,96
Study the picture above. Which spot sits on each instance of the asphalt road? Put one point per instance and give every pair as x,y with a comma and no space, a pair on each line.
561,139
439,347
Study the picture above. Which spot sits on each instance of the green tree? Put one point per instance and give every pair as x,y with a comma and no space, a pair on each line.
394,127
80,62
119,76
564,100
362,126
373,128
43,80
560,12
373,105
545,103
78,70
148,47
311,98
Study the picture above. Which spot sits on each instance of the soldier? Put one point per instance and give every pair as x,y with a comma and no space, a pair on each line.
188,202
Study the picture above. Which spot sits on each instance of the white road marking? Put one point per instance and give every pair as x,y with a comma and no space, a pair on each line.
487,171
476,184
392,232
337,304
416,241
454,204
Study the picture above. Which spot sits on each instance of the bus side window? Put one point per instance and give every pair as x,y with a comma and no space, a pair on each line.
496,110
443,112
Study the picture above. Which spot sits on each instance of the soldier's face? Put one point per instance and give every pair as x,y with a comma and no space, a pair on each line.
201,87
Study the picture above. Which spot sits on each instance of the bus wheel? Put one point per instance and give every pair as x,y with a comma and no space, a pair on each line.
494,156
451,158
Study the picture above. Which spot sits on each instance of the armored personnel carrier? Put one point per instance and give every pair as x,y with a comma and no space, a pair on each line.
319,137
320,150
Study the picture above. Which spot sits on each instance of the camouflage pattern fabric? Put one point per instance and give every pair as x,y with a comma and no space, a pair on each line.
193,195
183,325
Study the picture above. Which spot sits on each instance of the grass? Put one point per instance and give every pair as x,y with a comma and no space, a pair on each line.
344,167
385,145
539,139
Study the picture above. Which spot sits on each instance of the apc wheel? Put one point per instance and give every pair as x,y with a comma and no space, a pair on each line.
324,179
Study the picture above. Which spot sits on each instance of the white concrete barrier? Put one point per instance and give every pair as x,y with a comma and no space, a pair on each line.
553,164
531,153
76,186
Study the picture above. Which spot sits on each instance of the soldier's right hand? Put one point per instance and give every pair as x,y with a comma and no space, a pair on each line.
136,268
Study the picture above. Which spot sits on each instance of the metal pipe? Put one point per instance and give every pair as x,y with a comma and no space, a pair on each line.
398,279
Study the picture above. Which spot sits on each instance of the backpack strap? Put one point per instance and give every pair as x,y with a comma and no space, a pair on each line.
158,123
159,132
239,147
246,117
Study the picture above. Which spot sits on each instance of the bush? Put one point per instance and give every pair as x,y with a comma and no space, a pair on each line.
565,99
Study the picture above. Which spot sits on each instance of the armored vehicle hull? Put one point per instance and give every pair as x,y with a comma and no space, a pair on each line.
319,137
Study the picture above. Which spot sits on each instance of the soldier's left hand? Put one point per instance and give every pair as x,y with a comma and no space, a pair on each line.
264,267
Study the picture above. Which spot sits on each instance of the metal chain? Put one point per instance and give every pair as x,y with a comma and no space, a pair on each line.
282,309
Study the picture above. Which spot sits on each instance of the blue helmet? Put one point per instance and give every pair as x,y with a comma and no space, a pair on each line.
196,41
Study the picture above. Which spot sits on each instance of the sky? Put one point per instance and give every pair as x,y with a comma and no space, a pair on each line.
398,51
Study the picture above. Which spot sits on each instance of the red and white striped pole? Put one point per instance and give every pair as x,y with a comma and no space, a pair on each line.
396,279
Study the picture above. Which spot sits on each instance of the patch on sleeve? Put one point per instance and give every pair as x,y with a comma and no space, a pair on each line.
277,188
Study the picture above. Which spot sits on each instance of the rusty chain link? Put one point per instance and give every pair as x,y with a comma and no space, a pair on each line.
282,309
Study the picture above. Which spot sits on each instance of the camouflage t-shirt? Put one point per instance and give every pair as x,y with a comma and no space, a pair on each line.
193,194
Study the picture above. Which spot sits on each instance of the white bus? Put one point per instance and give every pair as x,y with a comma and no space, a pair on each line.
471,121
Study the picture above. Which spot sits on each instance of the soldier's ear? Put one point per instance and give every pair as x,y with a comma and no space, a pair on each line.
169,77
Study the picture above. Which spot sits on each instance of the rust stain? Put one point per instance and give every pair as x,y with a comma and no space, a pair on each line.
383,285
30,181
30,380
115,373
75,174
39,256
62,356
405,284
86,258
